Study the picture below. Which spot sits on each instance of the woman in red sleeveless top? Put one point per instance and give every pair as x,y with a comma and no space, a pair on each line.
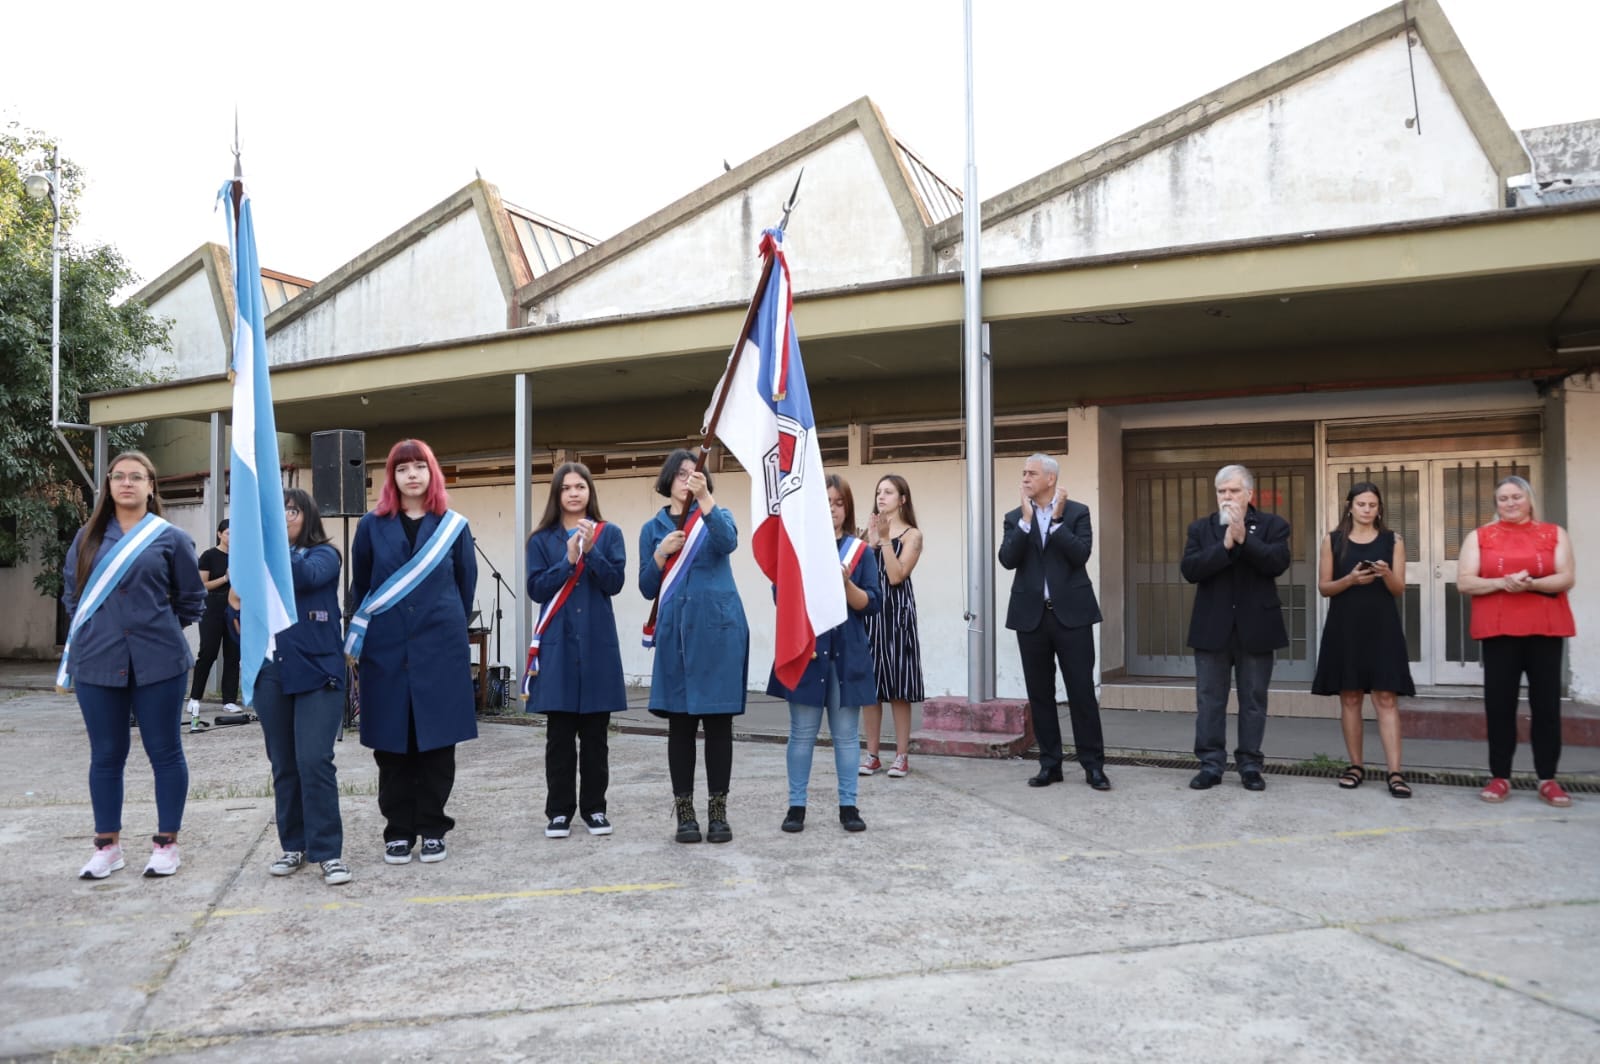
1518,572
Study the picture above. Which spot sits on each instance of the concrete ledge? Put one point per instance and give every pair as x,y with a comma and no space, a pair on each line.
1580,722
1000,727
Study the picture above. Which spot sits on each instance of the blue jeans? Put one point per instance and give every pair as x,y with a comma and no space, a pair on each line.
844,724
157,707
300,730
1250,674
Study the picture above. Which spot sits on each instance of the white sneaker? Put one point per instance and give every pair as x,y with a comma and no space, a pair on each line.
232,707
106,860
164,860
192,707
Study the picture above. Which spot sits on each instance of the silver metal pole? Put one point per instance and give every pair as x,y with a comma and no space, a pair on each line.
523,502
55,288
219,481
979,415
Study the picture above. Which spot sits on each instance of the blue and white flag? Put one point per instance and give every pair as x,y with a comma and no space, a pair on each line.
258,560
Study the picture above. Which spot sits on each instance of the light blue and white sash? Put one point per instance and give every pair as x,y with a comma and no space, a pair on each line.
404,580
694,528
104,580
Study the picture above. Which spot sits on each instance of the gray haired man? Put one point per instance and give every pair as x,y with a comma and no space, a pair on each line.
1234,556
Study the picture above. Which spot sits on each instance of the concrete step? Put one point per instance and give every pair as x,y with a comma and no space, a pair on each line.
970,743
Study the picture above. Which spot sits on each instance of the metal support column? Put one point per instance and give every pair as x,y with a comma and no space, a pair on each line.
523,501
219,478
979,415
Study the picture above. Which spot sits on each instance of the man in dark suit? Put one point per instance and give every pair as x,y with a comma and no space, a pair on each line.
1234,556
1047,542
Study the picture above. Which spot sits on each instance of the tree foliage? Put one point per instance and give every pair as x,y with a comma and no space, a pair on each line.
42,494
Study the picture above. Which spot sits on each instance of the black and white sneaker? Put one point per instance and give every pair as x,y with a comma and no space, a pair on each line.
558,828
597,823
397,851
335,872
288,864
432,850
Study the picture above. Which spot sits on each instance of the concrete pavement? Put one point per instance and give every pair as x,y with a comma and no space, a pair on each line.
976,919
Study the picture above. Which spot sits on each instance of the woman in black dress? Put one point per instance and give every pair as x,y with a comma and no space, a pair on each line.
1362,571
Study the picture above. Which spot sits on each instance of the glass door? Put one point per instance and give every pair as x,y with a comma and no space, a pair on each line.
1465,494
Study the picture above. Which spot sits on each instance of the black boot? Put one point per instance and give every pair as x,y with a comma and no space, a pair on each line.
795,819
850,817
717,830
688,826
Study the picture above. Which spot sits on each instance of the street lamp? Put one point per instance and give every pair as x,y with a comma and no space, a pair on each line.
46,184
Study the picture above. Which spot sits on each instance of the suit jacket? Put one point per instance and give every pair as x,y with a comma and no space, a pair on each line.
1236,587
1060,560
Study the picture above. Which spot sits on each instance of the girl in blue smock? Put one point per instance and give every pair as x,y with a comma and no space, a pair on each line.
702,642
839,679
130,659
579,681
415,664
299,698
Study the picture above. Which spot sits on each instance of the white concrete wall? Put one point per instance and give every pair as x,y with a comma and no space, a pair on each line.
846,232
199,348
28,623
441,287
1581,396
1331,151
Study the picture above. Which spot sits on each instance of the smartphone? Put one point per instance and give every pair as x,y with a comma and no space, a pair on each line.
1365,567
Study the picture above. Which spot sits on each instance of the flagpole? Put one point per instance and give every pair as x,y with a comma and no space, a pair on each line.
977,386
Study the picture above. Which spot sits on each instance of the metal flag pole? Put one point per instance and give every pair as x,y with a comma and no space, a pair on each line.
977,380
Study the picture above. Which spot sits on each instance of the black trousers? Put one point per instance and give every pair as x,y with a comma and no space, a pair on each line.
1506,659
213,637
1052,642
681,730
574,747
413,788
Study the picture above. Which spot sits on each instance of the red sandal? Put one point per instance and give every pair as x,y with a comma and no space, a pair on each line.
1498,790
1551,793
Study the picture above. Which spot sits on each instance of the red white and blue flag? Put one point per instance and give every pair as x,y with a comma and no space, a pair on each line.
766,423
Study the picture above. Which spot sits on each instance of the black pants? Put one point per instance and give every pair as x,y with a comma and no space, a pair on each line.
681,729
413,788
1505,659
565,760
1041,649
213,637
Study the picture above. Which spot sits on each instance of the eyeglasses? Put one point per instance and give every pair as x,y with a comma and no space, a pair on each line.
685,474
128,478
291,512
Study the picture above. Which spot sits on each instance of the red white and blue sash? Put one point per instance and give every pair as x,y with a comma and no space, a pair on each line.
404,580
850,551
104,580
694,530
548,612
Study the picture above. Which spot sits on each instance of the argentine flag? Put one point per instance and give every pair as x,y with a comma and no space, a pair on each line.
258,563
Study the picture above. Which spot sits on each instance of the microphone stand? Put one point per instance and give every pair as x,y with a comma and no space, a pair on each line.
499,583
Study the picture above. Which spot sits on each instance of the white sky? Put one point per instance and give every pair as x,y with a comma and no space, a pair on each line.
357,117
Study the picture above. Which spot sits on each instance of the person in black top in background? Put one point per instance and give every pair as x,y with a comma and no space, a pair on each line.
214,573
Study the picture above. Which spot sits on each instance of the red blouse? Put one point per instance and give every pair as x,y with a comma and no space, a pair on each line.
1509,548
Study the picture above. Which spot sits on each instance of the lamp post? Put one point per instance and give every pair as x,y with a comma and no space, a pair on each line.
46,184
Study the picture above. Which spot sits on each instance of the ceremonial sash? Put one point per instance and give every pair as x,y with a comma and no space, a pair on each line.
104,580
694,532
850,551
548,613
404,581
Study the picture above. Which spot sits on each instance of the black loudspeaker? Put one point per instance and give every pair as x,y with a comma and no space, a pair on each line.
339,472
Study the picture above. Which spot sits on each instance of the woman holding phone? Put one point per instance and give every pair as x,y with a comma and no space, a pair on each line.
1362,571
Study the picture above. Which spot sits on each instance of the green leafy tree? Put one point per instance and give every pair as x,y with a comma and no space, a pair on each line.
42,494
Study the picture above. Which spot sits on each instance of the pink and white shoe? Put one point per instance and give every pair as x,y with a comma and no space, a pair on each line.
164,860
106,860
901,766
870,765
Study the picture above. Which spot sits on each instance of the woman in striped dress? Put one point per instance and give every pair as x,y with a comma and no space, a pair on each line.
896,648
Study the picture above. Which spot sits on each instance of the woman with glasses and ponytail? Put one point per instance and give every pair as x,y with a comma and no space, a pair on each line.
131,585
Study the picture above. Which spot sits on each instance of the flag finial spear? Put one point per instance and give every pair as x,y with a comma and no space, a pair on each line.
238,170
794,197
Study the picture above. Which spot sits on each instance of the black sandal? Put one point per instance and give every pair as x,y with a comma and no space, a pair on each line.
1352,777
1398,787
